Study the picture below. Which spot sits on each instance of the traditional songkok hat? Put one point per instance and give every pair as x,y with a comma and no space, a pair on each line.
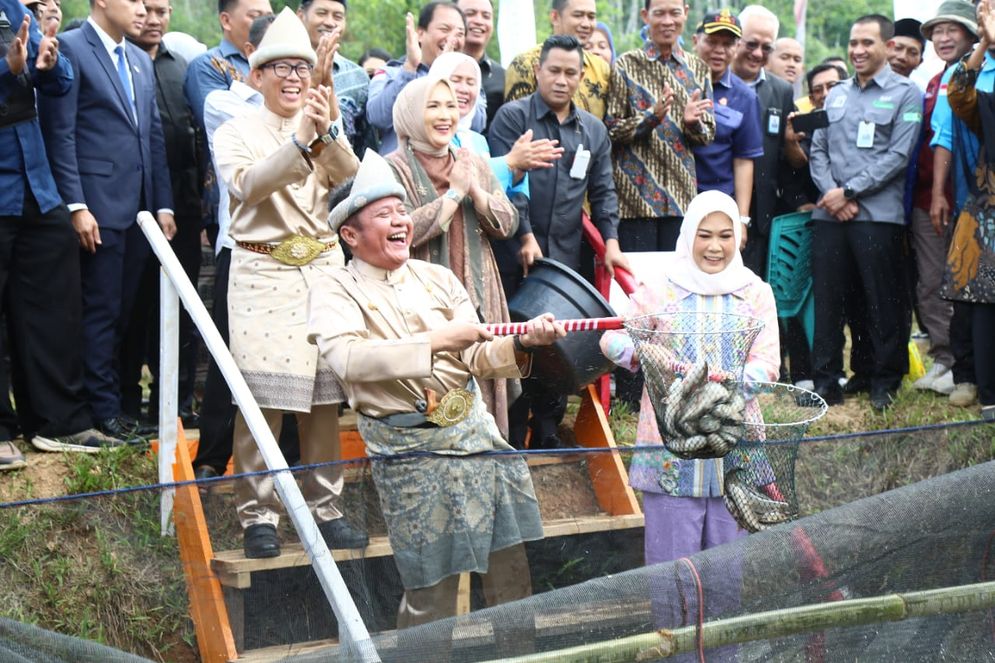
286,38
374,180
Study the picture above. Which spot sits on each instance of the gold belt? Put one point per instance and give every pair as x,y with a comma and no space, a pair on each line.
451,409
296,250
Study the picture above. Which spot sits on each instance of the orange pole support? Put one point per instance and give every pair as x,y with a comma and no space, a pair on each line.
608,476
207,604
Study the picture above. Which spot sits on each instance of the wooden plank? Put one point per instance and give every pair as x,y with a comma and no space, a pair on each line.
534,460
233,569
608,476
280,652
463,595
207,605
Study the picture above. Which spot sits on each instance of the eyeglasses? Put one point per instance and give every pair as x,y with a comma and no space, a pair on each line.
751,46
283,69
825,87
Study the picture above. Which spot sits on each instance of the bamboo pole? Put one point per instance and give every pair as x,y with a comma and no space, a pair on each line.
776,624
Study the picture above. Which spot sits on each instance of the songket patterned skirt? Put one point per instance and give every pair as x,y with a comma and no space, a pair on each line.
447,512
267,318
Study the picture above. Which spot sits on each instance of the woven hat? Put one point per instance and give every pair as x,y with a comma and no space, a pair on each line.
960,12
374,180
719,21
286,38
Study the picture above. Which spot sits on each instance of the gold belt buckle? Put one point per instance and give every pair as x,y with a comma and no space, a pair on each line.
298,250
453,408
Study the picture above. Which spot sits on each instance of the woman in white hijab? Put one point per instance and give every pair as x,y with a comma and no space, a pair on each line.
511,170
682,499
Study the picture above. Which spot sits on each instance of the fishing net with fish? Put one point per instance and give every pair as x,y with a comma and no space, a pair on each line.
693,363
760,484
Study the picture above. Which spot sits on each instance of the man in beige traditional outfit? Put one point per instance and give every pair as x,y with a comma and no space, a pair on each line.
397,332
279,165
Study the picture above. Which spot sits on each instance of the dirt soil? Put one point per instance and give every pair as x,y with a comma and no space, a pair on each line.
564,490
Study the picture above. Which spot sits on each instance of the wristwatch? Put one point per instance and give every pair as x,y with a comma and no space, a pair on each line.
326,138
849,193
745,220
454,196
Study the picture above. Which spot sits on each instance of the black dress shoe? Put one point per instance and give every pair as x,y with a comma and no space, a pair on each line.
858,384
832,395
204,472
144,428
190,419
260,541
122,429
339,533
882,399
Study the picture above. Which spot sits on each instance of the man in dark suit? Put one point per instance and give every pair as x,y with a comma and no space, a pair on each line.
776,96
104,140
141,343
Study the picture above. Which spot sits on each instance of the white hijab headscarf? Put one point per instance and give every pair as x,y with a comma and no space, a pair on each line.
683,271
444,66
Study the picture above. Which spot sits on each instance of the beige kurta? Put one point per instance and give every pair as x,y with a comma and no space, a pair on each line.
276,193
371,326
449,508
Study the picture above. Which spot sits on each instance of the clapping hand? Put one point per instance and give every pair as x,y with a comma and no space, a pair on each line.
17,53
986,21
664,103
316,114
527,154
48,49
695,109
328,46
412,47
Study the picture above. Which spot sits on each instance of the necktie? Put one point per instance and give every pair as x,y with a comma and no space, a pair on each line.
122,73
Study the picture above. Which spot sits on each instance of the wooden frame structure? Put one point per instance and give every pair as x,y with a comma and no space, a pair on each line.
215,580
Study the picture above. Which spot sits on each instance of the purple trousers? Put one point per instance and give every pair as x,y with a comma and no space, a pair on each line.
682,526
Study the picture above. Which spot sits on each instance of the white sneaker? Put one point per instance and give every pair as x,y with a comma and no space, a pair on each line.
935,371
944,384
964,394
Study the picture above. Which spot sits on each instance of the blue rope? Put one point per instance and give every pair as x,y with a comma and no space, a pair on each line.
498,452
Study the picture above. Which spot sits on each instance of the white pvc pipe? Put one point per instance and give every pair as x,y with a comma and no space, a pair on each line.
168,382
352,631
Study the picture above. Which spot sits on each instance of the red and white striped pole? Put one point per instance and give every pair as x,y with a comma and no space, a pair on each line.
584,324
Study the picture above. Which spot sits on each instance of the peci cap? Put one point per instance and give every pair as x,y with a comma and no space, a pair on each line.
718,21
960,12
911,28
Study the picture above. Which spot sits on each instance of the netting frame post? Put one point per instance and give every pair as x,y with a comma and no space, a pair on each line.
168,380
353,634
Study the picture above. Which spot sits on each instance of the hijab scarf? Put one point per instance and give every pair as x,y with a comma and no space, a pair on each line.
683,270
444,66
409,114
461,247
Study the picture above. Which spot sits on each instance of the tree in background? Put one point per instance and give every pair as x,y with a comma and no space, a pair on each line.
381,22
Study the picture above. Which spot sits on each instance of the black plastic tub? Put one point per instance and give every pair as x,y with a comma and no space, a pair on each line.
575,361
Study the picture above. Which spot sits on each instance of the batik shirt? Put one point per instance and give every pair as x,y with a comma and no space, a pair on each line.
654,163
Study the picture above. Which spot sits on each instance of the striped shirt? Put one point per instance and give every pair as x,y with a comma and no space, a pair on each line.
654,162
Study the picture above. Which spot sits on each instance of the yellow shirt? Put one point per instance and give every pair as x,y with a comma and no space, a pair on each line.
804,104
274,192
371,326
592,95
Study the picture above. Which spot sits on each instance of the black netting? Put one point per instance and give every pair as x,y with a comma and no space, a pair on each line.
871,522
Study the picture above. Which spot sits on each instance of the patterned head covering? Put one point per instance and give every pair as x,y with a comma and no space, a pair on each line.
374,180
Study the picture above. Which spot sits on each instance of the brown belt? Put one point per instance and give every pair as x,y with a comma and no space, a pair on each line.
297,250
